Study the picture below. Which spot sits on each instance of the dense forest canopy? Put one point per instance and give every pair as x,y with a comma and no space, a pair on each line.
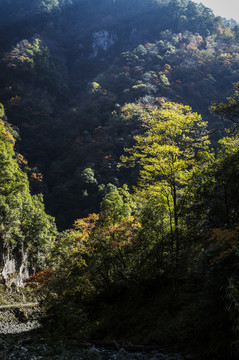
26,230
125,125
66,81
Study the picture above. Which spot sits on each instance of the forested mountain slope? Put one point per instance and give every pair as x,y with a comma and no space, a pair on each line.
104,98
72,132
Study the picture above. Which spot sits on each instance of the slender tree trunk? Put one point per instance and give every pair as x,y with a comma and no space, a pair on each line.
176,232
171,223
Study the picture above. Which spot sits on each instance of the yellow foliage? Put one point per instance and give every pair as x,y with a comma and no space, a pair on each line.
95,87
226,241
86,225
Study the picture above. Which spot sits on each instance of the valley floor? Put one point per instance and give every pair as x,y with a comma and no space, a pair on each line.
30,345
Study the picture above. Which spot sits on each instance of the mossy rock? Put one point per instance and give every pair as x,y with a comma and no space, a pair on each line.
2,289
3,301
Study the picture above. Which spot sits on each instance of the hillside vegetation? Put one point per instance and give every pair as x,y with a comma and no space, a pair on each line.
124,123
66,79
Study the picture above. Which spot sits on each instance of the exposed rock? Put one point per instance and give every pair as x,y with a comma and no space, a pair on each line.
102,40
13,268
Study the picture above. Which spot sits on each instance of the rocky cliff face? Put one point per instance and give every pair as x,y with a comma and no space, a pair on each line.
102,40
13,267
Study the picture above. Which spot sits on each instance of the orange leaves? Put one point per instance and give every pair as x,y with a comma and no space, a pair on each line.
116,236
39,279
15,101
160,101
130,109
4,130
156,78
37,177
122,234
10,138
222,236
21,160
121,244
227,63
86,225
108,157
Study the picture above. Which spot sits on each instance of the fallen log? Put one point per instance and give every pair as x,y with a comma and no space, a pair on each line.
15,306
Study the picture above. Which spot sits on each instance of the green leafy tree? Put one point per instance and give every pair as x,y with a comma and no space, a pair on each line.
216,188
24,226
113,208
168,154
